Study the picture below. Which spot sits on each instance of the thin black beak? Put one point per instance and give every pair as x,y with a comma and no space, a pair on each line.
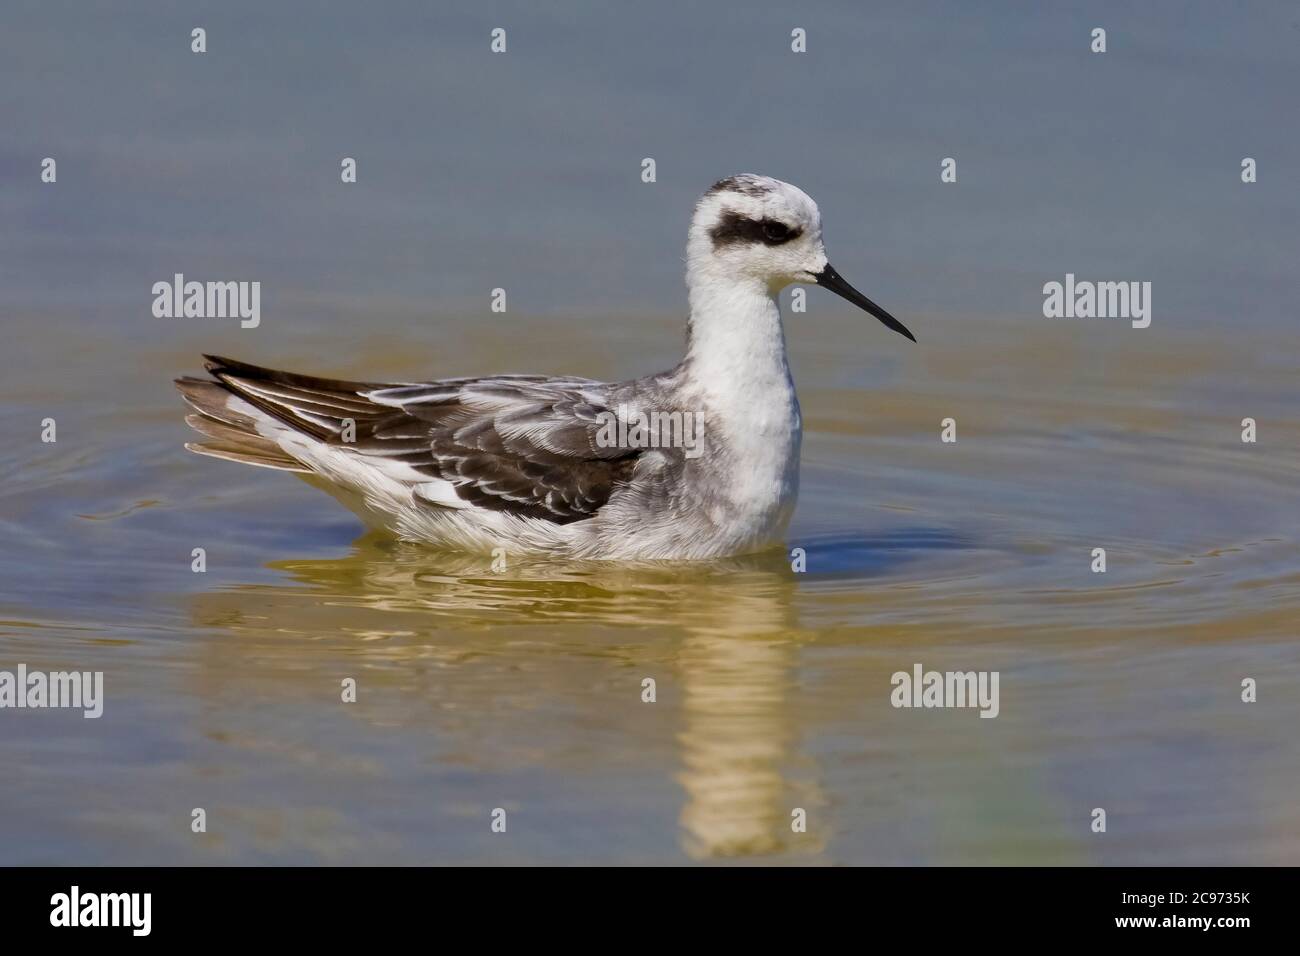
828,278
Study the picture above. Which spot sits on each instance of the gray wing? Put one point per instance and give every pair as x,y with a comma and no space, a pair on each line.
521,444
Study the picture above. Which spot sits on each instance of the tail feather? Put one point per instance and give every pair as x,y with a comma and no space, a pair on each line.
240,454
220,366
315,406
212,400
231,433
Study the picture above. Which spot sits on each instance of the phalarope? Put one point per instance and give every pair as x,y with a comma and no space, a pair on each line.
526,463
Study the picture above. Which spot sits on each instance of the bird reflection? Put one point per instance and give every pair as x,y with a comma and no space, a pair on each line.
739,735
729,626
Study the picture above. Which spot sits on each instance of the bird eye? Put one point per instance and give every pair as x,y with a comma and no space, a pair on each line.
775,231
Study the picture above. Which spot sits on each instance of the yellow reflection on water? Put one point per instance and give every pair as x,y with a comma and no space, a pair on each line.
725,634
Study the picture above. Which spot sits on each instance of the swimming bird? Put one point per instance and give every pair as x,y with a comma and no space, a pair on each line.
571,466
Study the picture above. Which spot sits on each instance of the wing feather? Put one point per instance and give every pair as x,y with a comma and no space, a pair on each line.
520,444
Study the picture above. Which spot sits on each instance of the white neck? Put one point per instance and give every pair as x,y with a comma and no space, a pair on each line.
735,341
737,375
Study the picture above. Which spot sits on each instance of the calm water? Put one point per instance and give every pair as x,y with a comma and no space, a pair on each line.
522,690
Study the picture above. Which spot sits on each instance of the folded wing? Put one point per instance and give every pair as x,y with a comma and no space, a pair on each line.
525,445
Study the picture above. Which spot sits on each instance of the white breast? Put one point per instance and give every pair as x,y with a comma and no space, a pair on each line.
739,374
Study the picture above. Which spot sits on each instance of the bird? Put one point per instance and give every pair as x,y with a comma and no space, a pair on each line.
563,466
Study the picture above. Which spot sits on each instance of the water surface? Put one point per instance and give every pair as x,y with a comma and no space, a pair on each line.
522,690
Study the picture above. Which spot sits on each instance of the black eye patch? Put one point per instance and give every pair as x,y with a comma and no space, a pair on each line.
734,228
